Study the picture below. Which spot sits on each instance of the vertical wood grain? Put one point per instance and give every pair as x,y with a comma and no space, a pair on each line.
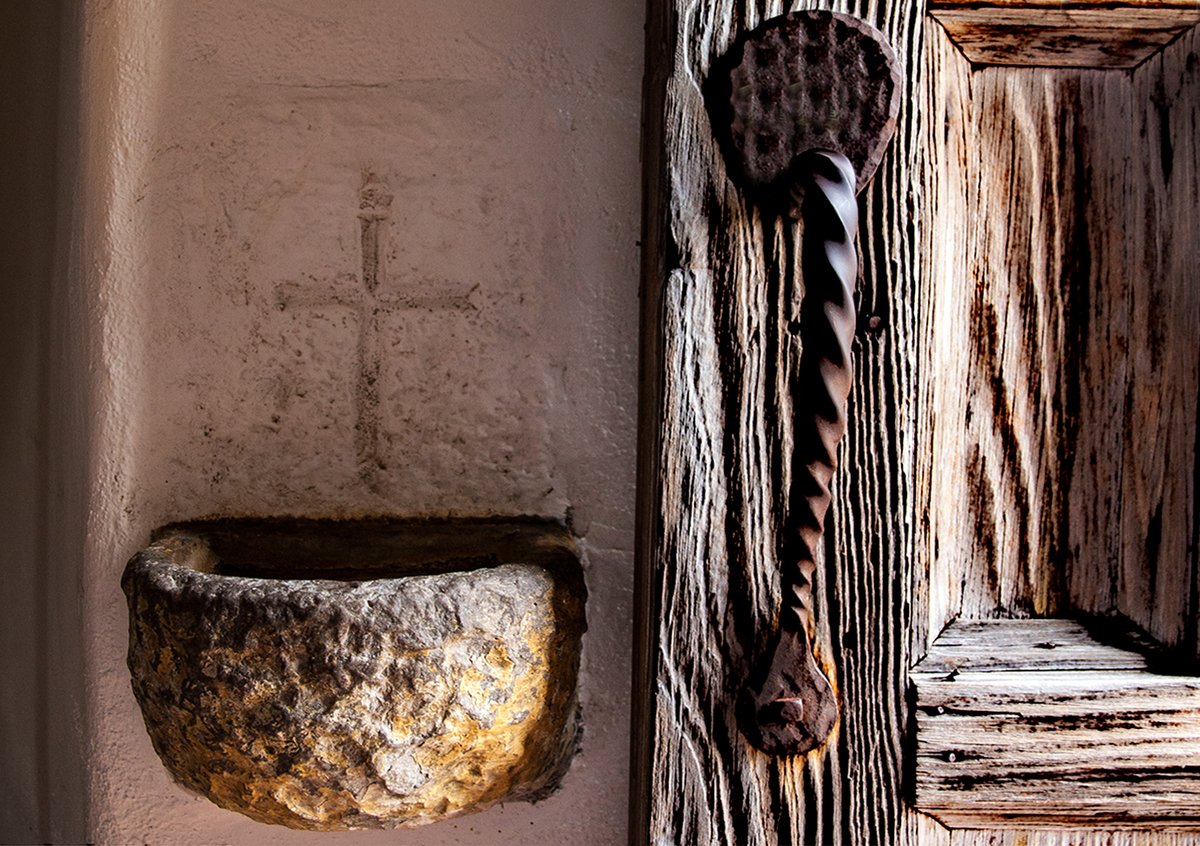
944,358
1059,354
714,475
1022,436
1015,266
1157,581
1061,342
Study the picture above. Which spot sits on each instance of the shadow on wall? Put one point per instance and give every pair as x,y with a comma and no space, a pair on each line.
42,433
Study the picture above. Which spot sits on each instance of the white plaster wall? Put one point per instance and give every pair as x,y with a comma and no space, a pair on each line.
227,144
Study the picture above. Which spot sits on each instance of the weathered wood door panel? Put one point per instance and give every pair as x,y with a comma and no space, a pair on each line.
1023,423
713,417
1062,223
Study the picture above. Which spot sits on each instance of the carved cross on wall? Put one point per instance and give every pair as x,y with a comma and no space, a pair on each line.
367,296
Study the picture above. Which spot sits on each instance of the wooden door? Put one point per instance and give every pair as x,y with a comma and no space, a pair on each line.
1022,444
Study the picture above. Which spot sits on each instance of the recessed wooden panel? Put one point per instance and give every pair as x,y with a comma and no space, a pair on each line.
1062,314
1008,734
1051,33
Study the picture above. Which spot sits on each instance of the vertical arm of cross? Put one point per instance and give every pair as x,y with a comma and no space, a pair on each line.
374,207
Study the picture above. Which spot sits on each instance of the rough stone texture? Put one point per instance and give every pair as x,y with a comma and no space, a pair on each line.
401,693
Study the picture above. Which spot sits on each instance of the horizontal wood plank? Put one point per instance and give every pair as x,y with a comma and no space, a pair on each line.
983,646
1093,837
1122,6
1063,34
1006,737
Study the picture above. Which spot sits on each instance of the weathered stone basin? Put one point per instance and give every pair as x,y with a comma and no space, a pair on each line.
358,674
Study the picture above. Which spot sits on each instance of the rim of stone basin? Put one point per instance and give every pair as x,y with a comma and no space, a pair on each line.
359,549
372,673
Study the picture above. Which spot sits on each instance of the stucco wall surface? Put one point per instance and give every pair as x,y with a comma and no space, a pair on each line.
351,259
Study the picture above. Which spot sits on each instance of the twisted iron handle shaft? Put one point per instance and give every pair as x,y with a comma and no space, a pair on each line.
789,706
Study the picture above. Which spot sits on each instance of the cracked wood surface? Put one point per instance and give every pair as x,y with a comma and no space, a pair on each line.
1022,423
1060,341
1034,723
715,423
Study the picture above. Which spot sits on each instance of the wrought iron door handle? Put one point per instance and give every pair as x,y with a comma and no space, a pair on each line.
808,99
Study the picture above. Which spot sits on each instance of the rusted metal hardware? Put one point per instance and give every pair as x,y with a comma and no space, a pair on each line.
809,101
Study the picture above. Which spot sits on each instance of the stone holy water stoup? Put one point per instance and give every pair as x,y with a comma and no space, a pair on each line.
804,107
345,674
